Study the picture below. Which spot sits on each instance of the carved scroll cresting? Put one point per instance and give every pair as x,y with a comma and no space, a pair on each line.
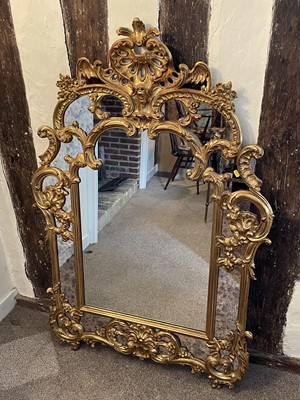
142,76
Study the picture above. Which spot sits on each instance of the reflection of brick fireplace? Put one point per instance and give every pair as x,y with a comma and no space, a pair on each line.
121,153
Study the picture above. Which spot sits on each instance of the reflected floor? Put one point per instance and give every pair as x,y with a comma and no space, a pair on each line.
169,283
152,259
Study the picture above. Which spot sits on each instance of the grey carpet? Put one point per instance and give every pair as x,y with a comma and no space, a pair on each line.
152,259
35,367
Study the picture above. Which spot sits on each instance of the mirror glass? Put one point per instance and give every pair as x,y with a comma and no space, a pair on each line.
152,258
150,253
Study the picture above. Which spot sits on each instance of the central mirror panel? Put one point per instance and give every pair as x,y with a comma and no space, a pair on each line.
152,258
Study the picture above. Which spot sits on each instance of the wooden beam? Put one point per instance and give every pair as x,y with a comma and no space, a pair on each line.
86,30
278,267
184,27
19,159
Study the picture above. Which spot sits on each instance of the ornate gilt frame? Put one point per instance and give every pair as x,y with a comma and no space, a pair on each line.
142,76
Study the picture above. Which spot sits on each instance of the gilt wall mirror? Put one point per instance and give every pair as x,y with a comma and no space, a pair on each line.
167,276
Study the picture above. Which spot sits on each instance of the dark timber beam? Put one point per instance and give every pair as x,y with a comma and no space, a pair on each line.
278,267
184,27
18,157
86,30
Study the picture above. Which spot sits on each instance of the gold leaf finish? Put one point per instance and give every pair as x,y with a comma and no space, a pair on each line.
141,75
228,360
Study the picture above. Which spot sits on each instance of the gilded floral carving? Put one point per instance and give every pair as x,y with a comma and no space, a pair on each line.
142,76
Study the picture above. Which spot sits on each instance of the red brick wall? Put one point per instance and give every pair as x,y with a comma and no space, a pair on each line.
122,153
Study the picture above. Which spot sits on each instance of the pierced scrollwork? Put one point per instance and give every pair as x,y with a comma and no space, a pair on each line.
141,75
228,360
51,199
139,340
244,226
142,341
222,97
248,230
243,163
65,318
54,198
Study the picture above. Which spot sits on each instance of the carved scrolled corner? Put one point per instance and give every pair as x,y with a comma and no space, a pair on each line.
244,167
218,180
65,318
228,361
53,147
86,70
52,198
247,229
199,74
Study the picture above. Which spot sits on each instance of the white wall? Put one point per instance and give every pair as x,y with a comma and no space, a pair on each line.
6,284
291,342
238,43
7,291
41,41
40,38
122,13
12,271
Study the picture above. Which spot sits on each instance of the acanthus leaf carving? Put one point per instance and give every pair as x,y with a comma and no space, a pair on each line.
65,318
228,360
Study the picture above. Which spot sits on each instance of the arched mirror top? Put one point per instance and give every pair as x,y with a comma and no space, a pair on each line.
142,76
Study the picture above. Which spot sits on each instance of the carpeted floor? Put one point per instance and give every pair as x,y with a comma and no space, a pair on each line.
152,259
34,366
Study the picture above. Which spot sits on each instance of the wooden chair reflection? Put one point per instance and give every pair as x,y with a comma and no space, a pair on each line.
184,158
180,150
210,124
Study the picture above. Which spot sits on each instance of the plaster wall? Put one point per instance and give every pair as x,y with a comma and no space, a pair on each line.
291,342
6,284
40,38
7,290
12,269
41,42
238,43
122,13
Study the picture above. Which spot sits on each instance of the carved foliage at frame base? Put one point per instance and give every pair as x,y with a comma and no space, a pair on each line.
226,364
229,359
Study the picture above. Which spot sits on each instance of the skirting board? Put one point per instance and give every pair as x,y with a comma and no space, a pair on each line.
7,303
152,172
